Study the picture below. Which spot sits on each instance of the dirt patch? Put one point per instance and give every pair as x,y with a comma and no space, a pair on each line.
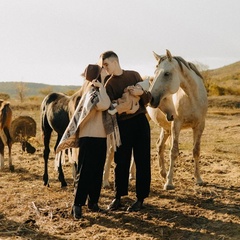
30,210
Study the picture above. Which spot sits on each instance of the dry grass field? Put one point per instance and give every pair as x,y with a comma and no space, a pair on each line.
29,210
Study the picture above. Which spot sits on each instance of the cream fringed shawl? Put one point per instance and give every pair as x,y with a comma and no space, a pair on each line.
112,130
70,139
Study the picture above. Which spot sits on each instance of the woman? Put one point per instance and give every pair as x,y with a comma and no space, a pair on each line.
92,137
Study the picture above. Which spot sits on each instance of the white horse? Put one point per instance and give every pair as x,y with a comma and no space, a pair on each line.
180,80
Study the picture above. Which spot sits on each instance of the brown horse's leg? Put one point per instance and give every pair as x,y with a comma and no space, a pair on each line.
61,177
46,141
9,144
1,154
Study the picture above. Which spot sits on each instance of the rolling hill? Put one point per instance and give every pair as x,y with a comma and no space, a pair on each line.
231,71
227,77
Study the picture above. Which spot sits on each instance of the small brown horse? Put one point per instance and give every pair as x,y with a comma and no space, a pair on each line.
5,138
56,111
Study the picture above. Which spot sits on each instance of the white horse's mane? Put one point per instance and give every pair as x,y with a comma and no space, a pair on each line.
181,61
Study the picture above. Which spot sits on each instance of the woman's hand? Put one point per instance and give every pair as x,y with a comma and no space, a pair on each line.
96,83
135,91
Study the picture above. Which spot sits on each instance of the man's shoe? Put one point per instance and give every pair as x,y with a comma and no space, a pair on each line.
94,207
137,206
77,212
115,205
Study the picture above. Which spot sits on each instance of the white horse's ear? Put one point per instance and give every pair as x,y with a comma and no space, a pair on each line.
156,56
169,55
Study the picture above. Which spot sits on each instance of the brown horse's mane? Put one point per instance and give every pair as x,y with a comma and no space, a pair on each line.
5,114
181,61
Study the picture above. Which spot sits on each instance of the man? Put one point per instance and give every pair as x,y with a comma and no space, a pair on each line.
134,132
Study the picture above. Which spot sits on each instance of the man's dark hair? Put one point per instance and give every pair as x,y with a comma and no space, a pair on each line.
108,54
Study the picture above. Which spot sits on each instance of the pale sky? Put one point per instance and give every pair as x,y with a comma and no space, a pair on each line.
52,41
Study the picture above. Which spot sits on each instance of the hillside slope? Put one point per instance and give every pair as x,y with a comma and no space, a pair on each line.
231,71
223,81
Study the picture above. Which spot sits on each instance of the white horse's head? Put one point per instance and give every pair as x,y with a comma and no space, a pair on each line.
166,79
165,83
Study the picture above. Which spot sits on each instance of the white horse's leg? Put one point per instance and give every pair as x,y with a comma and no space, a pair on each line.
197,134
109,159
174,153
132,175
106,173
160,145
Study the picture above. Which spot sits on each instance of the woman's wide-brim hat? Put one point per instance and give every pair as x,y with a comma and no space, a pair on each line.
92,72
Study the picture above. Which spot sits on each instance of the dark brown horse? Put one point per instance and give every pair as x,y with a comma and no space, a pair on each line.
5,138
56,109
